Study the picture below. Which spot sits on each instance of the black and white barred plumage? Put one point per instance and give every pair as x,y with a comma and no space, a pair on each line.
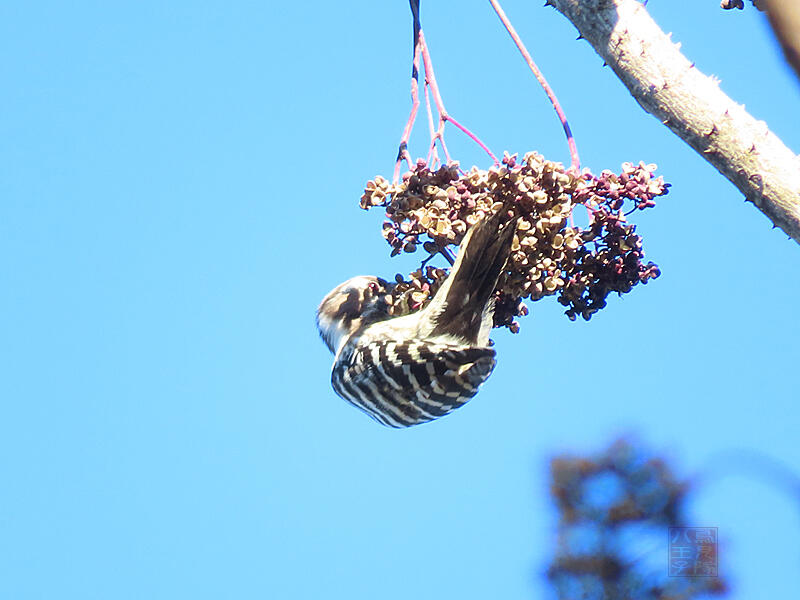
407,370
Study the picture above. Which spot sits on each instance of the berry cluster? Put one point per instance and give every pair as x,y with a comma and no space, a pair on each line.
549,254
414,293
731,4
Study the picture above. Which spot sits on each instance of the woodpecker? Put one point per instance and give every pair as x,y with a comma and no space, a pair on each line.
411,369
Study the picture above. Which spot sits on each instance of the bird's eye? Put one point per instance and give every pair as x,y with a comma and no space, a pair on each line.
373,287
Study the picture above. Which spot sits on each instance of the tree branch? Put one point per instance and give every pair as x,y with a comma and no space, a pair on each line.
692,105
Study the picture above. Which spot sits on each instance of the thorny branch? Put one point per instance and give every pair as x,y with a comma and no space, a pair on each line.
692,105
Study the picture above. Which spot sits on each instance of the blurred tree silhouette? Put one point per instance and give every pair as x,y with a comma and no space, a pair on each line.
615,510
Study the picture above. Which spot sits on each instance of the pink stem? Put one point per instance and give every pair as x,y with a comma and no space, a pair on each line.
439,135
402,153
430,79
473,137
432,154
444,149
573,150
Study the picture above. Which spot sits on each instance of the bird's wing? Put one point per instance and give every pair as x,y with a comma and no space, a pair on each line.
404,383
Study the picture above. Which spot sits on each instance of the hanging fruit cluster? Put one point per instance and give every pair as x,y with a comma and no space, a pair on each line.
549,255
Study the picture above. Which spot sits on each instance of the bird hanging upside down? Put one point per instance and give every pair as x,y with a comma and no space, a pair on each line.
411,369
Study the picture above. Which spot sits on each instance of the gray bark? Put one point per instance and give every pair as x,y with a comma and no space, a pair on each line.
692,105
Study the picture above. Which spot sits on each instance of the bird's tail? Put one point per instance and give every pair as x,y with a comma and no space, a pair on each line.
462,303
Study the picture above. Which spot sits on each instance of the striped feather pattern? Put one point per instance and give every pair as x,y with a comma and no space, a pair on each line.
404,383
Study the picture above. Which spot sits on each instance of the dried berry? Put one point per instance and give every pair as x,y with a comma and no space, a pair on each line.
549,254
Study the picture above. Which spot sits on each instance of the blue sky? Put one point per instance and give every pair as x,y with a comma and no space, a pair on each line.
180,188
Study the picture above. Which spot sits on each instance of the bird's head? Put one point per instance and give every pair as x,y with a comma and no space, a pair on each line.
350,306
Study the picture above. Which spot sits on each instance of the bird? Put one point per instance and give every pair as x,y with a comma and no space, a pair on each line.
412,369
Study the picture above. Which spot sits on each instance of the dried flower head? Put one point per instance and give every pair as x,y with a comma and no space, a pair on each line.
549,255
